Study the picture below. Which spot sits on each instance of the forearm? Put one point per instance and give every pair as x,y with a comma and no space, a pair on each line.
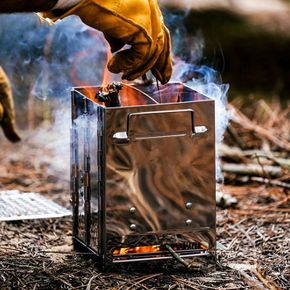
9,6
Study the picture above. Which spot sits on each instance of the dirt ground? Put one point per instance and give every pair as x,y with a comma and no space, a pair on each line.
253,232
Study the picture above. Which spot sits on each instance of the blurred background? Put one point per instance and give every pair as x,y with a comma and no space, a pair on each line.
247,42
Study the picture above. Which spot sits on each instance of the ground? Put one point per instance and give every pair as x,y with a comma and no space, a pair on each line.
253,232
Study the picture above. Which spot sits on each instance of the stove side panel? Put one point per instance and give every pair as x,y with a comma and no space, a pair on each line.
160,177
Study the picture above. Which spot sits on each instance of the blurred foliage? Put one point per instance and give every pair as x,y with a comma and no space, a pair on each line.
251,59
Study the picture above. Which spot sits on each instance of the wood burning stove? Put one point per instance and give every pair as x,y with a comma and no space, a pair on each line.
143,173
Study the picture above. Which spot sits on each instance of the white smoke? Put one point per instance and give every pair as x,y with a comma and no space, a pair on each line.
46,61
190,67
207,82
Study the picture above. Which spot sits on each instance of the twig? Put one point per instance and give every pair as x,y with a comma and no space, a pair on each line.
90,281
252,169
177,257
192,284
142,280
58,279
253,209
271,182
269,284
235,136
265,174
245,233
245,122
241,269
186,282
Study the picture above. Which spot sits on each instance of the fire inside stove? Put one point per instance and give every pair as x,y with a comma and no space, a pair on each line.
143,172
137,250
159,248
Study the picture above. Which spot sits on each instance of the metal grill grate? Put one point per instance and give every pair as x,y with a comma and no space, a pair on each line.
16,205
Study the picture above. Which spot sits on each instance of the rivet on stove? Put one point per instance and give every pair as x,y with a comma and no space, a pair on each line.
188,205
133,227
188,222
132,210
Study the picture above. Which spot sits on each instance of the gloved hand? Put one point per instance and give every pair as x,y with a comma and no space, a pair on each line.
7,115
138,23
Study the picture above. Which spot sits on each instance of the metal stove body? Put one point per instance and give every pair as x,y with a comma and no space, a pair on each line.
143,174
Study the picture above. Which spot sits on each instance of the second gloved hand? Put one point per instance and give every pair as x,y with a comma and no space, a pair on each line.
138,23
7,115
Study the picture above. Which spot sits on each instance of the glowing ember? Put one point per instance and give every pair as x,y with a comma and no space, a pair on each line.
137,250
158,248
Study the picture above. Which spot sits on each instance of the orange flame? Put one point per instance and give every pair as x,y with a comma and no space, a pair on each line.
158,248
106,77
137,250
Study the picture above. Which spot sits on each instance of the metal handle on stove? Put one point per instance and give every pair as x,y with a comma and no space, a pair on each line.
130,136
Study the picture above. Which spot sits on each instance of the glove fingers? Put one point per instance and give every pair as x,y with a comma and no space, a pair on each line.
7,122
7,116
10,131
1,112
126,61
132,63
162,69
115,44
136,61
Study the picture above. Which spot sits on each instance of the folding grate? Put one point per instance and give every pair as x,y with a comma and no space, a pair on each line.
16,205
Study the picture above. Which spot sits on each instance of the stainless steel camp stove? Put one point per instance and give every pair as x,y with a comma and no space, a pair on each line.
143,173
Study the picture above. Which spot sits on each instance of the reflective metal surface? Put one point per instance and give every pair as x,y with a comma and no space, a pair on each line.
149,168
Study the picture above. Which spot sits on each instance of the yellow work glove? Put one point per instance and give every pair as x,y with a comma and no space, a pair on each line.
7,115
138,23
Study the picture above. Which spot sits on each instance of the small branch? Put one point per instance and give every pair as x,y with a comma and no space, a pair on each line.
271,182
143,280
252,169
245,122
234,135
177,257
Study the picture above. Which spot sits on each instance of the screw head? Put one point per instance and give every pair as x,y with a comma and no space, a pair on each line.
133,227
188,205
188,222
132,210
